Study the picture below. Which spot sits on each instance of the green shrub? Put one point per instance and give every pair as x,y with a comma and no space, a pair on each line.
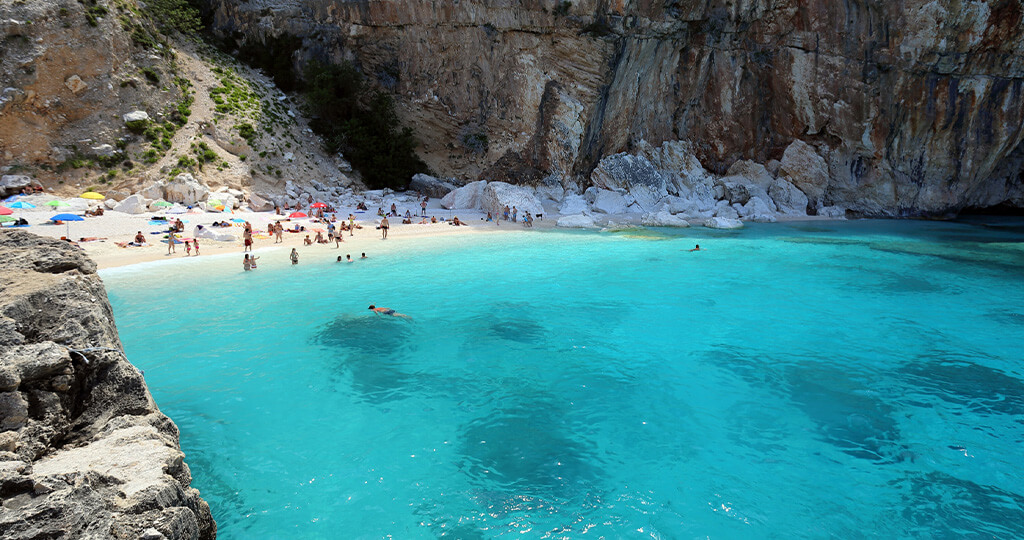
171,15
246,131
361,123
151,75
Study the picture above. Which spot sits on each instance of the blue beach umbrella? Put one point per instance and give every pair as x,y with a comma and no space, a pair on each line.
66,218
20,204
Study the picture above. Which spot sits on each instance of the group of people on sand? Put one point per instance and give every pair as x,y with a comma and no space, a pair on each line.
172,241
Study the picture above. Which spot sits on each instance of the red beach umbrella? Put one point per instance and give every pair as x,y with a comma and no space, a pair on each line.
297,215
4,211
318,205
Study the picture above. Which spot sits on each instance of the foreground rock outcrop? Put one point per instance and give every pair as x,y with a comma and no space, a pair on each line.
84,451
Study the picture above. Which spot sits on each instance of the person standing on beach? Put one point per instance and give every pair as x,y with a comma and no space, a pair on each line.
170,242
384,228
247,239
351,224
188,248
515,212
195,244
294,256
278,230
423,207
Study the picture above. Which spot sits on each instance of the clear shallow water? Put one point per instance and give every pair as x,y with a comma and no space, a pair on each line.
793,381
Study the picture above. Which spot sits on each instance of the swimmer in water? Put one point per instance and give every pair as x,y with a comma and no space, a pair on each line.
387,311
696,248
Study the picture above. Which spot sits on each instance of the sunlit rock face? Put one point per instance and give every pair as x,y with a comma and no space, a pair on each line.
912,107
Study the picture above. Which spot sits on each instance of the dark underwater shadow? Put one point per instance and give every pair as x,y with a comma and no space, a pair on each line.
967,384
942,506
373,350
846,412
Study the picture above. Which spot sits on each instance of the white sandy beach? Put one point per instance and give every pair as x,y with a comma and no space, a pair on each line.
113,227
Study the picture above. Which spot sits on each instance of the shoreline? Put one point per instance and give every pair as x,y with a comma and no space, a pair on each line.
117,227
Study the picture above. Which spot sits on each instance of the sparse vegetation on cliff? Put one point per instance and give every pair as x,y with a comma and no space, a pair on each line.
361,122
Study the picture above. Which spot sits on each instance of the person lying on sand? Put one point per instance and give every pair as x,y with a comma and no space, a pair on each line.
388,311
91,239
456,222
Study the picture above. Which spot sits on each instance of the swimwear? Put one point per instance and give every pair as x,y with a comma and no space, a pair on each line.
389,312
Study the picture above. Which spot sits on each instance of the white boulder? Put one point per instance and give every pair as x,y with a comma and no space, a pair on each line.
550,192
134,204
136,116
110,204
576,221
469,196
496,195
573,204
663,219
153,191
208,233
606,201
755,207
185,189
723,210
723,223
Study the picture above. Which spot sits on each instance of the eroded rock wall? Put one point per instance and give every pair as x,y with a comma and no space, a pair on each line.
915,106
84,451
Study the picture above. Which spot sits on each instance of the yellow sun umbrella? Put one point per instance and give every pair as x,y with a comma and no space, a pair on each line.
92,195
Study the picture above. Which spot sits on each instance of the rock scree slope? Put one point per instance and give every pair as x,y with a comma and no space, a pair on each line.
84,451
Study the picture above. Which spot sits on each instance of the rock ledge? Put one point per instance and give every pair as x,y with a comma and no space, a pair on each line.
84,451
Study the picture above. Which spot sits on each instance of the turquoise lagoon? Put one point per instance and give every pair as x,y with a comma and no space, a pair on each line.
801,380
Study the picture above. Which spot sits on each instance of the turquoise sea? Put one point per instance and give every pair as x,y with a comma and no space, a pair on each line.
801,380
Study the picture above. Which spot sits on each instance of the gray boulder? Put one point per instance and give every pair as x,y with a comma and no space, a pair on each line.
788,198
430,186
834,212
625,171
752,173
260,204
13,183
806,170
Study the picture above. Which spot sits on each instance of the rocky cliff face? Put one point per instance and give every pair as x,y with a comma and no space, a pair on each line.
84,451
915,106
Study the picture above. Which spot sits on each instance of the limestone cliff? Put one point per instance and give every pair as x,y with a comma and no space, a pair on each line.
84,451
915,106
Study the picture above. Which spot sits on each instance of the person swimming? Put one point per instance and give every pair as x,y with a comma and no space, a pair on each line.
696,248
387,311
